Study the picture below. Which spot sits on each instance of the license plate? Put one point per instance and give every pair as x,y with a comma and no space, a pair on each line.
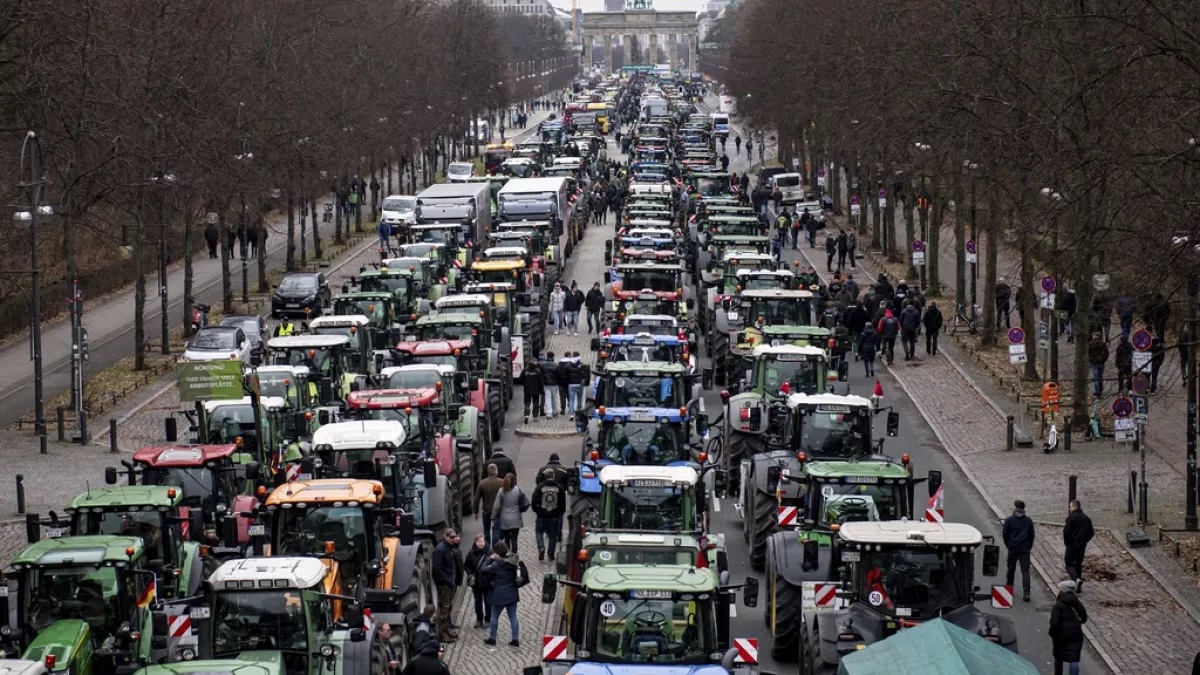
199,613
56,532
293,304
302,476
641,416
903,611
851,556
257,530
650,595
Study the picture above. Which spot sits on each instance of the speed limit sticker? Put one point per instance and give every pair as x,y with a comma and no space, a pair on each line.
827,491
606,555
608,608
875,598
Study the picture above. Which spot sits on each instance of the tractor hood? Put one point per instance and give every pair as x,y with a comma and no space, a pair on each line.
644,669
247,663
61,639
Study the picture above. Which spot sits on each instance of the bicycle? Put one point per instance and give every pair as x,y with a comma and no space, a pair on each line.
960,317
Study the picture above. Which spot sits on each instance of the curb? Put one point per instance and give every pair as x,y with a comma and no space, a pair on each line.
547,434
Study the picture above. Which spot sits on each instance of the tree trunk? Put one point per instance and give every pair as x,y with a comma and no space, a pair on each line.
316,232
1085,318
263,287
889,214
934,287
188,232
988,302
1026,308
291,229
877,241
139,290
226,279
910,224
960,228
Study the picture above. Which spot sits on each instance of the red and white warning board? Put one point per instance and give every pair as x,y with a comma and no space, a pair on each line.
935,511
1002,597
554,647
180,625
821,596
788,515
747,650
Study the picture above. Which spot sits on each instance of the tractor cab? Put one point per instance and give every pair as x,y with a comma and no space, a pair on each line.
383,311
742,277
836,427
643,348
256,433
644,276
638,436
651,498
634,384
709,183
772,307
294,385
512,270
357,328
330,359
466,327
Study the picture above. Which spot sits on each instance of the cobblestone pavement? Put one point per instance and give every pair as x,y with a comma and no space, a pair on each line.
1134,621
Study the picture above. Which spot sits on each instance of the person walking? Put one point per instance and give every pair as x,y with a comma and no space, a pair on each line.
489,486
808,224
1018,538
511,502
1185,350
558,299
1126,307
1066,628
212,237
385,237
532,383
562,374
910,324
577,376
852,248
1077,533
1003,299
560,474
500,573
594,302
737,145
830,251
868,344
933,327
447,577
479,554
428,661
504,463
1124,363
572,305
843,244
888,329
1097,355
550,382
549,504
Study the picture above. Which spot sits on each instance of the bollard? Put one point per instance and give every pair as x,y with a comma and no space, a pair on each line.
1072,484
112,435
61,414
1143,504
21,493
1011,433
1068,422
1132,489
83,429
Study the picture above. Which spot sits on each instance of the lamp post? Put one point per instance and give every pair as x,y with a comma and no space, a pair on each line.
244,155
923,149
1055,199
31,181
163,179
974,167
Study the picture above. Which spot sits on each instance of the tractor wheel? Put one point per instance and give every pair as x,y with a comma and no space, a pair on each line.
466,479
783,616
761,517
492,429
537,332
495,411
720,349
453,504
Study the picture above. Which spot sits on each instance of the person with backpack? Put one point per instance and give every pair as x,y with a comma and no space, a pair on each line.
888,329
532,382
549,504
784,221
511,502
502,573
550,382
868,342
479,554
577,375
910,325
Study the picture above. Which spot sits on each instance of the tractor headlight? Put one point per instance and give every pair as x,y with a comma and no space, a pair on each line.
328,651
187,654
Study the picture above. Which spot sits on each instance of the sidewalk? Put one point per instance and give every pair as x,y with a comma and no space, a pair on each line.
1136,622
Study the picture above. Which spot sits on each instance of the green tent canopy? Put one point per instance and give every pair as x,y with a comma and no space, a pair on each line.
936,647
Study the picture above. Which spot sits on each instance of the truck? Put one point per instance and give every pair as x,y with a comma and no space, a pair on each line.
544,199
468,204
894,574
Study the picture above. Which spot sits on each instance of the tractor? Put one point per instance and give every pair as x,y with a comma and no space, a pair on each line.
526,328
482,352
469,389
331,360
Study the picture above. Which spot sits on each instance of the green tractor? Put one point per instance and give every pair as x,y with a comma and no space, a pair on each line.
256,429
493,365
752,318
331,360
526,328
385,314
84,606
650,619
425,278
365,341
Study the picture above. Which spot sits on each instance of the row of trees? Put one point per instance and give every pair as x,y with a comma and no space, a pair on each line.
1068,129
154,114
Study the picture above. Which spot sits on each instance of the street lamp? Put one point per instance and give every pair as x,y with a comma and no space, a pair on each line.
30,181
163,179
973,168
244,156
1055,198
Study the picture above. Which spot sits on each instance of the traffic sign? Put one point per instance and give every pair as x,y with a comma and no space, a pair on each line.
1141,383
1122,407
971,247
854,199
918,246
1141,404
1002,597
918,258
1016,354
1016,336
1048,284
1141,340
1123,424
1141,362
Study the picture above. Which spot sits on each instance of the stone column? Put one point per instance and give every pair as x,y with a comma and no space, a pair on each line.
693,55
674,41
586,58
652,50
608,52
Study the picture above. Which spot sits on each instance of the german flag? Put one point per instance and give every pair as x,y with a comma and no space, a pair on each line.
148,595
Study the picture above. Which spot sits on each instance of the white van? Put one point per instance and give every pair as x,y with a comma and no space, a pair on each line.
791,186
720,123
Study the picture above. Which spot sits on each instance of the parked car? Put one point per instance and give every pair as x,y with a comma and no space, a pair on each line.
399,210
253,325
459,172
304,294
215,343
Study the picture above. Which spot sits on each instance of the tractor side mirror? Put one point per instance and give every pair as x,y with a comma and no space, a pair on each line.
345,288
323,417
608,277
934,482
171,430
497,334
893,423
353,615
407,529
502,315
750,592
430,474
537,281
159,621
253,470
473,383
549,589
691,303
991,560
110,475
755,417
595,344
256,357
701,424
453,411
581,421
578,618
843,371
706,379
811,552
229,531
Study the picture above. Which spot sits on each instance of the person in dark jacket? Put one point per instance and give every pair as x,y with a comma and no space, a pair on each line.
549,503
830,251
550,376
1018,539
212,237
1124,362
479,554
883,288
1077,532
868,343
594,302
559,474
1067,302
421,629
1097,355
933,326
910,324
888,329
571,307
1003,298
533,384
842,248
501,574
1066,628
427,662
447,577
504,463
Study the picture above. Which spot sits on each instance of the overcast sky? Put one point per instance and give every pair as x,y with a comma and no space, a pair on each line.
664,5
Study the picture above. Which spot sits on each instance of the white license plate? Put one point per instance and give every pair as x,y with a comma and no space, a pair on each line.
851,556
293,304
56,532
641,416
199,613
903,611
302,476
257,530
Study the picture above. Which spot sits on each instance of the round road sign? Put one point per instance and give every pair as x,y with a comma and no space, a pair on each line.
918,246
854,199
1048,284
1016,336
1122,407
971,247
1141,340
882,193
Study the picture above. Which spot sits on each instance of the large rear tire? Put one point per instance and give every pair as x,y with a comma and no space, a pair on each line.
495,411
466,479
760,521
721,359
783,616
